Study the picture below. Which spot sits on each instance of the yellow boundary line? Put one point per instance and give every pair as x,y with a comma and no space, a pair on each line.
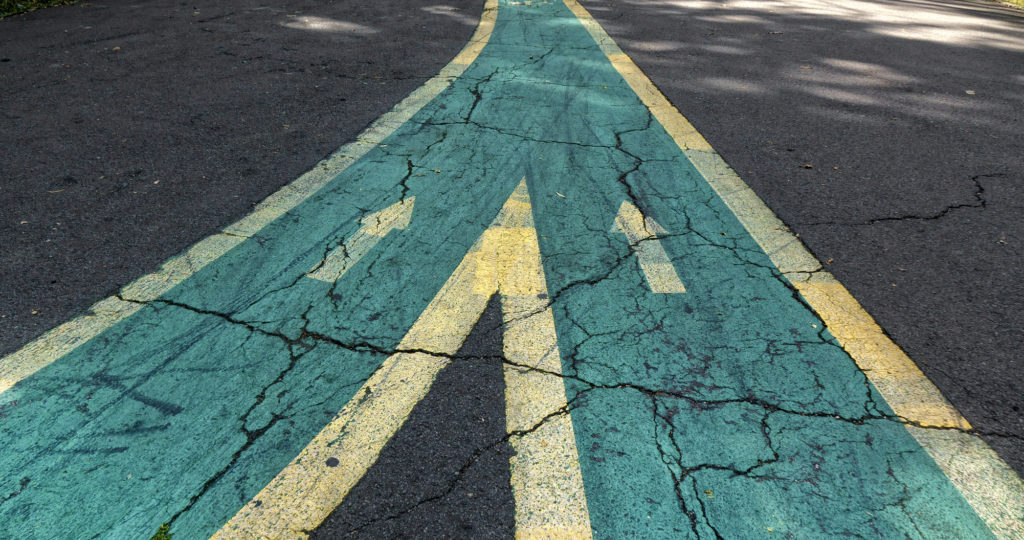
991,487
107,312
547,484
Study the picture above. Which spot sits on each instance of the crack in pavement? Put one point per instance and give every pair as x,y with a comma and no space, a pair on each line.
979,203
477,454
298,347
572,357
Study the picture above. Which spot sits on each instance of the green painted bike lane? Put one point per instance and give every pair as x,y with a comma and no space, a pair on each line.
725,410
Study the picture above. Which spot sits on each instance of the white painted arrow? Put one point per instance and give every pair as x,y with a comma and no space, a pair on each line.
375,226
641,232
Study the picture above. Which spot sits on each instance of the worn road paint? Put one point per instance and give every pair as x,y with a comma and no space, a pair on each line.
993,489
546,480
729,410
374,227
642,233
107,312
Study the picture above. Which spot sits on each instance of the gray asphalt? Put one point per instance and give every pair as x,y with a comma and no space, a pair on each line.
892,146
131,131
888,135
445,474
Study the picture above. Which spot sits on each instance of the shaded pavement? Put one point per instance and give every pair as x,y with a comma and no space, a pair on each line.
887,134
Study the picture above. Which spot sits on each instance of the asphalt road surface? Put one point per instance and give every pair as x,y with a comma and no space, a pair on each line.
911,115
535,307
136,130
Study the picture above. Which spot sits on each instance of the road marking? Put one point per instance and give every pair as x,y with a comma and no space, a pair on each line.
505,259
67,337
546,479
988,484
642,233
375,227
906,389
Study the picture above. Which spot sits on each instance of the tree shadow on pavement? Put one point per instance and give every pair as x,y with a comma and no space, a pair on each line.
887,134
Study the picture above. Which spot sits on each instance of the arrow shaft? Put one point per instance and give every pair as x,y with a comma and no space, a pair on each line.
657,267
546,480
374,227
640,231
345,256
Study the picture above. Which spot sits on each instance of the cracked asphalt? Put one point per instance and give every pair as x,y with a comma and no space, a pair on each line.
142,129
909,114
452,451
723,411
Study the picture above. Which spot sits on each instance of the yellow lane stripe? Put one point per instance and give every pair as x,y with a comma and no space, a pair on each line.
304,493
109,311
993,489
905,388
546,479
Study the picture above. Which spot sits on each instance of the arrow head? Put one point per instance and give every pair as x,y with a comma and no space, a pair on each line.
396,216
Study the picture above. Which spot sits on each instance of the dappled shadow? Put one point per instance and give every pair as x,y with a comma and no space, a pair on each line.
887,134
326,24
868,55
451,12
347,30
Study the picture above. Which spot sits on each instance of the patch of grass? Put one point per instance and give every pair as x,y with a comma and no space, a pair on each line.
163,533
1015,3
14,7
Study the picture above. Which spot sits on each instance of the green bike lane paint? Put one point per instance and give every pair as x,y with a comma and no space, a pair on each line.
722,410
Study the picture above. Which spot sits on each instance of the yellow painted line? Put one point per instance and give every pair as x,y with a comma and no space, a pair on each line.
375,226
990,483
907,391
546,480
109,311
991,487
641,232
302,495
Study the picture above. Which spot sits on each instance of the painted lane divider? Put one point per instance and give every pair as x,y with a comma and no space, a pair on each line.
683,423
174,460
375,226
642,233
990,486
106,313
546,480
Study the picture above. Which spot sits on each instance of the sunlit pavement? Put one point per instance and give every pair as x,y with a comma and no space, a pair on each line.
886,134
673,362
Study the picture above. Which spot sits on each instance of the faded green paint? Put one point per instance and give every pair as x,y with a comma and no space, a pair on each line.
724,410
